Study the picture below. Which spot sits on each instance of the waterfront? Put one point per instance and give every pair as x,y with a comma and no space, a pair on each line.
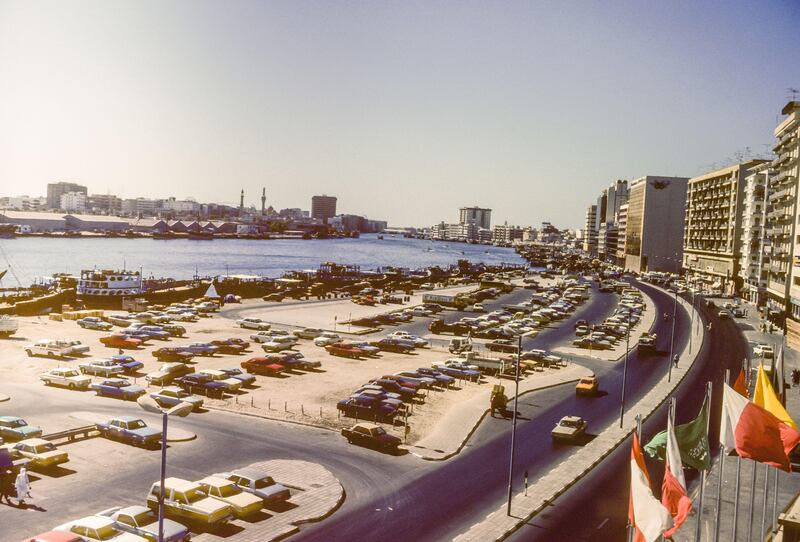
30,258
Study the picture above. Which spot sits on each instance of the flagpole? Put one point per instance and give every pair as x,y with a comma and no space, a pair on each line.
764,504
774,519
514,425
639,436
624,374
672,339
703,472
752,502
736,498
721,471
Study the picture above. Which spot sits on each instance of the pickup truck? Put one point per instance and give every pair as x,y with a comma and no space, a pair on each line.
48,348
372,436
439,326
484,363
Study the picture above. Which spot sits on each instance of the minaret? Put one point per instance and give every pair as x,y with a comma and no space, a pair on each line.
241,203
263,201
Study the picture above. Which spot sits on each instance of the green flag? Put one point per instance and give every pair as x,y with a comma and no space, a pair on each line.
692,440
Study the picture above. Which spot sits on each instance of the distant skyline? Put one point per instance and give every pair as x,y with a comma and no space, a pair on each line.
405,111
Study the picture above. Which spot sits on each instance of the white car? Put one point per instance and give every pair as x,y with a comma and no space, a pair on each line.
49,348
231,384
307,333
420,311
763,350
327,338
253,323
97,529
278,344
477,307
66,377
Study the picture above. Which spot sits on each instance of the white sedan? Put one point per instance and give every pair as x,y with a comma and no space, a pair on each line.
327,338
253,323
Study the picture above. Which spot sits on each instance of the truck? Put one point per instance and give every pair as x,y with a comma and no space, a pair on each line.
439,326
49,348
458,302
484,363
8,326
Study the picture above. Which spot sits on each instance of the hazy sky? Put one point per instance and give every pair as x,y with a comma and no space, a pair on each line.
404,110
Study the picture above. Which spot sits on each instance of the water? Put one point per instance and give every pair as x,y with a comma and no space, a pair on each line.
30,258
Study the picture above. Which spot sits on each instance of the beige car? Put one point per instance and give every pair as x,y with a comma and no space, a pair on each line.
186,500
244,504
231,384
41,452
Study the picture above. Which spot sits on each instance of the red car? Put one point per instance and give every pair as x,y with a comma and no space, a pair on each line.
54,536
120,340
344,351
262,366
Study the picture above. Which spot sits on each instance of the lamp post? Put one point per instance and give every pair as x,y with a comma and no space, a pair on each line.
672,337
514,424
182,409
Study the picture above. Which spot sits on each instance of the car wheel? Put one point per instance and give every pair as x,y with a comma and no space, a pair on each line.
29,352
71,386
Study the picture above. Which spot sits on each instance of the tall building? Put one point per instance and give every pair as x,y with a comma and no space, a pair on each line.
73,202
622,228
607,228
476,215
713,227
753,260
654,228
56,190
589,231
104,203
784,263
323,207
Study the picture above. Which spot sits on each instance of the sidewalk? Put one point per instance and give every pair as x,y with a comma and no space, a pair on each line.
498,525
454,429
788,484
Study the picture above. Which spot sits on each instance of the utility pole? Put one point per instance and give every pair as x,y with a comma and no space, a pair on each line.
514,424
624,373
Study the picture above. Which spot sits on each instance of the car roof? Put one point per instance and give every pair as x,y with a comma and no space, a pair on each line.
126,418
171,388
571,419
179,484
33,441
9,418
55,536
250,473
94,522
211,371
216,481
133,509
366,425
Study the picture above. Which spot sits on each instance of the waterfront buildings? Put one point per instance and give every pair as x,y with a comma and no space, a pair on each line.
73,202
323,208
106,204
713,227
478,216
754,261
23,203
655,220
56,190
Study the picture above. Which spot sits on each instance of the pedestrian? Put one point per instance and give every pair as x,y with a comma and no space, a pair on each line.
6,486
675,361
795,377
23,486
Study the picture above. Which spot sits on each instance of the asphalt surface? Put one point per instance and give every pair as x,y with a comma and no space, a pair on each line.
444,502
390,498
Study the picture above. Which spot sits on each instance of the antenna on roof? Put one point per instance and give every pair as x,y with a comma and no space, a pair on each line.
793,92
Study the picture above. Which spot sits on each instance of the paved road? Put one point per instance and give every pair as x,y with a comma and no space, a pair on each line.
444,502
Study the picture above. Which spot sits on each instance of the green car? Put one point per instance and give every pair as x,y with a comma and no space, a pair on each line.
14,428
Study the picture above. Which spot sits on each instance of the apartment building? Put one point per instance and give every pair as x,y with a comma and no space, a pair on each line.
73,202
622,228
589,231
713,227
56,190
480,216
654,224
785,247
753,261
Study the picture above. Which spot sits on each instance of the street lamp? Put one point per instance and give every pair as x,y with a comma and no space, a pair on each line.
182,409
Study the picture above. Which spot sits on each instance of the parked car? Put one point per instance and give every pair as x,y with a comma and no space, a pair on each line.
199,349
225,347
503,345
243,504
140,330
389,344
366,348
203,383
120,340
121,388
173,395
763,350
14,428
77,347
434,379
279,344
174,330
101,367
174,354
48,348
366,408
55,536
253,323
130,429
128,363
186,500
93,322
344,351
569,429
418,342
442,378
231,384
308,333
327,338
141,521
258,483
406,392
41,453
167,373
371,436
263,366
67,378
97,529
235,372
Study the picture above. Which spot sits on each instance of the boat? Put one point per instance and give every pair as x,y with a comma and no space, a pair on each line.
8,230
163,235
201,235
106,288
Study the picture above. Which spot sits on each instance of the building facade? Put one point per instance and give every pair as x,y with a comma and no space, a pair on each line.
589,231
73,202
56,190
622,228
654,227
713,227
323,208
475,215
753,260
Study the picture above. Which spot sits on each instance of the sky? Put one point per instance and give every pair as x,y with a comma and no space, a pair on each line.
405,111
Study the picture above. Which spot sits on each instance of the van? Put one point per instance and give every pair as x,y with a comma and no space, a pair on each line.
460,344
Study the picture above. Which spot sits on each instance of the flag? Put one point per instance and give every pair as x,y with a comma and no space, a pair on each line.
754,432
766,398
779,382
648,516
740,385
692,438
673,489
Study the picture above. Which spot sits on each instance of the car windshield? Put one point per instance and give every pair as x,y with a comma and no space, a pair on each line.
378,431
264,482
70,373
17,423
107,532
193,495
46,447
229,490
136,424
144,518
568,423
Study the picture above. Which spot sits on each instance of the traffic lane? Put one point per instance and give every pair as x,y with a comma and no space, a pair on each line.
223,441
606,518
474,482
